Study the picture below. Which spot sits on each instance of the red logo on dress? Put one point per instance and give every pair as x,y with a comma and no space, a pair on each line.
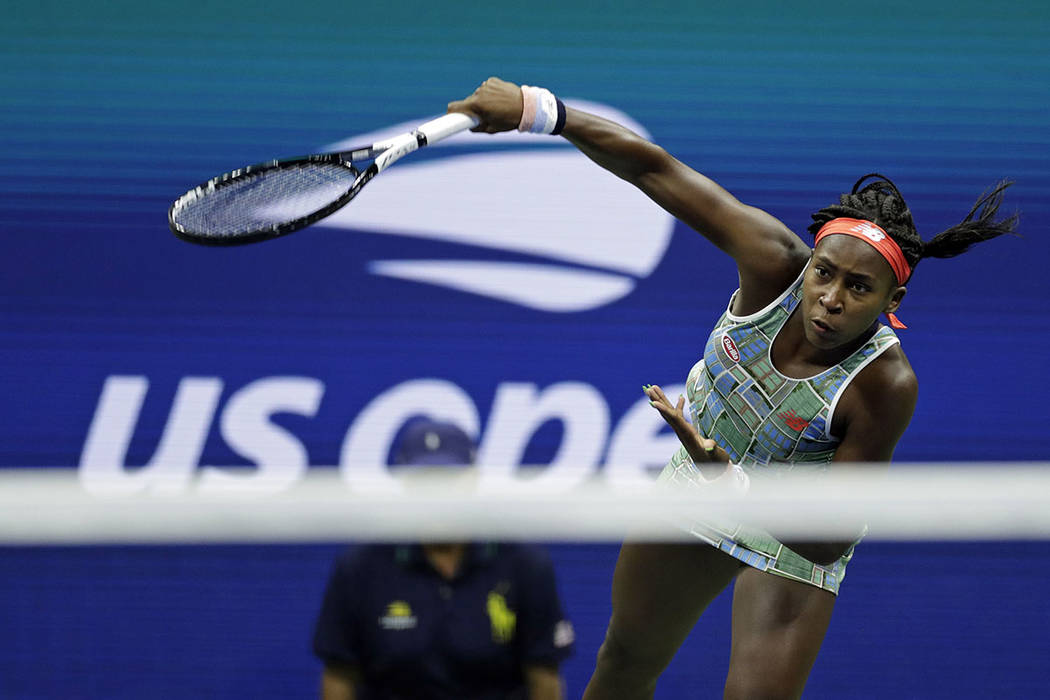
793,420
730,347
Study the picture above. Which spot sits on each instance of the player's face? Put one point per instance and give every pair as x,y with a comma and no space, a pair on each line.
847,285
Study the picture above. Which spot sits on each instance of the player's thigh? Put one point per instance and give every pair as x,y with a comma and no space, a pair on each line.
778,627
660,589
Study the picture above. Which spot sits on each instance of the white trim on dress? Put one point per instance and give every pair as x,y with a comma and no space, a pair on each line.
851,376
772,305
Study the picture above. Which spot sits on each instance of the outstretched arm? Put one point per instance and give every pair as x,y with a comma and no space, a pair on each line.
768,255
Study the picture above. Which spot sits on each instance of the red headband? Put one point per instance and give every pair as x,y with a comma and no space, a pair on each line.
878,239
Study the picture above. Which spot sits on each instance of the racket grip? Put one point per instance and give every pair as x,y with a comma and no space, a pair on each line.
432,131
443,127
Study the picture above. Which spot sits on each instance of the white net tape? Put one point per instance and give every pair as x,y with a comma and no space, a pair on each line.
910,502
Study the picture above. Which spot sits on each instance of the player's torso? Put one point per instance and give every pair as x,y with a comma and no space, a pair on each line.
764,419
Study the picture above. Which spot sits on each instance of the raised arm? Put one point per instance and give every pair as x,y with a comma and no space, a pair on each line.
768,255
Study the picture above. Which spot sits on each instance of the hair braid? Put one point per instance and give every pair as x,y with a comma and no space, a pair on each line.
880,202
960,237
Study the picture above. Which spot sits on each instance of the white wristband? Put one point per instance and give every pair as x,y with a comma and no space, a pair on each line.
542,112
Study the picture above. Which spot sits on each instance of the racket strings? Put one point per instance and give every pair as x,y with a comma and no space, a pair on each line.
263,201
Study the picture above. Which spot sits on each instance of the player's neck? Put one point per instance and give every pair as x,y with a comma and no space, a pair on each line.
794,356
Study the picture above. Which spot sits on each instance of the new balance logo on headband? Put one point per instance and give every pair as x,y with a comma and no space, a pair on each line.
543,227
870,231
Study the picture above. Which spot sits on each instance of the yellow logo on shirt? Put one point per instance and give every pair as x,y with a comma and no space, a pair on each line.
398,616
399,608
502,618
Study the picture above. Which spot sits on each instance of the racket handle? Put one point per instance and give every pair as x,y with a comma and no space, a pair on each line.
395,148
443,127
433,131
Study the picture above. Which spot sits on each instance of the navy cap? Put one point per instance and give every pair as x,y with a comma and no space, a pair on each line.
425,441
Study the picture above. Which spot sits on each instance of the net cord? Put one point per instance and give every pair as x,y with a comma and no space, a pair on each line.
927,502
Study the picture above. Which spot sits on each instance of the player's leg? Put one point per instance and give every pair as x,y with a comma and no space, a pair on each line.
778,627
658,592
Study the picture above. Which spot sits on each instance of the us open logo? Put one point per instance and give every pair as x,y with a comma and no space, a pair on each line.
730,347
544,227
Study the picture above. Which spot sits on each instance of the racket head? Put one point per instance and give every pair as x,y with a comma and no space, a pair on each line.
267,200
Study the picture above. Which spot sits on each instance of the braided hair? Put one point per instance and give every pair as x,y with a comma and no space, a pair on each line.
880,201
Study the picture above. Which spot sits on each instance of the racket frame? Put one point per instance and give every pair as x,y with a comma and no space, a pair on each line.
382,154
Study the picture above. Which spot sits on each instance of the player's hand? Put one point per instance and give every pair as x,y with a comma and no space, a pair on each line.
496,104
701,449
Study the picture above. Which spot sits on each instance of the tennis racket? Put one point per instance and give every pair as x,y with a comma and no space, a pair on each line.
267,200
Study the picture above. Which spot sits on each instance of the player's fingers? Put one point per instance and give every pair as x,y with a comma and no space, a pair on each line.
466,106
664,410
712,452
681,403
494,82
654,400
462,107
654,394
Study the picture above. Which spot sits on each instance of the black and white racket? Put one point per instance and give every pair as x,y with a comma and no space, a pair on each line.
264,201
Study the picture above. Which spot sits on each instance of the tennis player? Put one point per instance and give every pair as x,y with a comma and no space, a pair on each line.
798,373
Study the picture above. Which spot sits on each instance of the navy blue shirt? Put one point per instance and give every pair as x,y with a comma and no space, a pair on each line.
413,634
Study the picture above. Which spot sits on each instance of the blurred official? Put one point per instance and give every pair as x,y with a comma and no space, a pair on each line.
463,621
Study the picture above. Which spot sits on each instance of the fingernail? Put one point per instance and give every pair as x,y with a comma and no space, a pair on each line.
653,404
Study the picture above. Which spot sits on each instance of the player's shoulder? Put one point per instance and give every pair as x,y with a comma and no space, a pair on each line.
887,386
876,407
765,279
891,373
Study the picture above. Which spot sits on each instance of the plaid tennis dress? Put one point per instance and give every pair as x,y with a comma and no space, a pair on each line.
769,424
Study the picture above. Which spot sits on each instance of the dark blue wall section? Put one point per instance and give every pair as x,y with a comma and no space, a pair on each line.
914,621
576,291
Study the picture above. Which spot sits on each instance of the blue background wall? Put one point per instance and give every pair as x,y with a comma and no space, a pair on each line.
112,111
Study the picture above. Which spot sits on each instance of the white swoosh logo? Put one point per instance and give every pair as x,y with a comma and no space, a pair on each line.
549,202
543,287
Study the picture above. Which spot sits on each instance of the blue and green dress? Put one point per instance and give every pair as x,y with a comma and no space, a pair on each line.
769,424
